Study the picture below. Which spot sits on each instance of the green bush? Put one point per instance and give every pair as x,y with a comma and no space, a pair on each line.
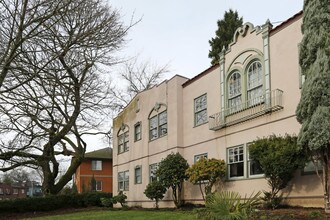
53,202
120,198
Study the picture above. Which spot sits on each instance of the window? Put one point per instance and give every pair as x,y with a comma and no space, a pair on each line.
96,164
152,172
200,156
23,191
8,191
98,185
138,175
123,181
123,140
1,191
137,132
310,167
236,161
240,165
15,191
254,83
158,125
234,92
200,109
254,168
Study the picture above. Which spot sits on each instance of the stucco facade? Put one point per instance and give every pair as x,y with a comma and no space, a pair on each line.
253,92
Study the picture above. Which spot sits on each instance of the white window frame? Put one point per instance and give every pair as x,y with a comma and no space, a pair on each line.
235,98
98,185
200,110
249,162
254,88
124,181
96,164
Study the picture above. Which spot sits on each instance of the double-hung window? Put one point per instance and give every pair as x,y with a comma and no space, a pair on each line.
98,185
236,161
138,175
254,83
123,181
158,125
96,164
200,109
200,156
137,131
123,142
234,92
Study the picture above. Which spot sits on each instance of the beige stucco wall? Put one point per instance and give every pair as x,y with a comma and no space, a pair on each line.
192,140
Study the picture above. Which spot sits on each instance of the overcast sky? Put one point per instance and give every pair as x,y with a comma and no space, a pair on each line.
177,31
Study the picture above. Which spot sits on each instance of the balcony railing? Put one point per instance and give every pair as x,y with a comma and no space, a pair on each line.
253,108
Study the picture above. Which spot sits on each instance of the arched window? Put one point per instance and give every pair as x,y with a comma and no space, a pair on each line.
123,139
234,92
254,83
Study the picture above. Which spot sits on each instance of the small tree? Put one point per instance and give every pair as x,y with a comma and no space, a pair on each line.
93,184
224,34
278,157
172,173
155,191
207,172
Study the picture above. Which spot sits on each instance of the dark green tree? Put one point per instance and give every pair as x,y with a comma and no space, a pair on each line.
93,184
279,158
155,191
172,174
224,34
313,110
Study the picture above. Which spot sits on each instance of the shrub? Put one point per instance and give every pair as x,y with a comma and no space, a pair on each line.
155,191
53,202
120,198
228,205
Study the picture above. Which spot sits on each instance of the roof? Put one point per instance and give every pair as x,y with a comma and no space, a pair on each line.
104,153
286,23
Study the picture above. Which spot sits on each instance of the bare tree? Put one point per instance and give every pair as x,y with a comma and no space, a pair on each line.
54,92
137,77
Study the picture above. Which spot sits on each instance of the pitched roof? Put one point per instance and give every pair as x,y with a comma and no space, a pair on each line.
104,153
286,23
210,69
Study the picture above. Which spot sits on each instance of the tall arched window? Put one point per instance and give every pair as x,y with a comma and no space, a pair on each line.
254,83
234,92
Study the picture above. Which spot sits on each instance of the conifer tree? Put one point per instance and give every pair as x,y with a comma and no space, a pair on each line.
313,110
224,34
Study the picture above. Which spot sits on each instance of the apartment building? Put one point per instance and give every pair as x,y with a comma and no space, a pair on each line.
253,92
98,165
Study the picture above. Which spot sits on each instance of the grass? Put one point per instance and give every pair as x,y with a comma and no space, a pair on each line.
126,215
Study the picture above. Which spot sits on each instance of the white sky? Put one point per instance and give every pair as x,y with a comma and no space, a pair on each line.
177,31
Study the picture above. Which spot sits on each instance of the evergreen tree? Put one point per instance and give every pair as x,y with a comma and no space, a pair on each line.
313,110
224,35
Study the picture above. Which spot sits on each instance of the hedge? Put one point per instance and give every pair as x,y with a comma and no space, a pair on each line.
53,202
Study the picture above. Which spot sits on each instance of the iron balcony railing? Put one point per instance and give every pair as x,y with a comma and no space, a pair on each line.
267,103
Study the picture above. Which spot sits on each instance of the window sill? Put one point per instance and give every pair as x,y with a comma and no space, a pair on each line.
150,140
200,124
123,152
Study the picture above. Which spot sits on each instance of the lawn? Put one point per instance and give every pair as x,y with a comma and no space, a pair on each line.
126,215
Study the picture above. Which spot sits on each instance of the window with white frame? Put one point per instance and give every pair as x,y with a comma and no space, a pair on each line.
158,125
98,185
15,191
138,175
254,83
200,156
311,167
137,131
234,92
123,141
153,172
236,161
96,164
1,191
123,181
200,109
240,165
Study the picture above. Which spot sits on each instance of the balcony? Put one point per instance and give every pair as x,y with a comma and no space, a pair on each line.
265,104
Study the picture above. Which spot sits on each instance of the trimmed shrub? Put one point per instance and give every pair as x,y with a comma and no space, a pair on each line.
53,202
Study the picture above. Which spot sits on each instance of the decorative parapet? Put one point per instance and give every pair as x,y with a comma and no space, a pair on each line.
265,104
